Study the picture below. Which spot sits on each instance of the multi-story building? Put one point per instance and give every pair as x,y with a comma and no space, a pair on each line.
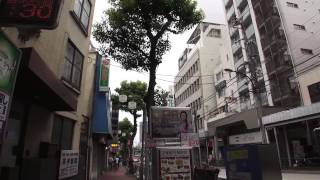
50,108
201,82
287,40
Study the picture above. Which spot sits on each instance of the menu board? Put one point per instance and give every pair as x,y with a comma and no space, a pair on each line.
175,164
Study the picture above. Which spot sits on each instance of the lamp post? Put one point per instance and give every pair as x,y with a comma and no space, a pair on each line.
258,103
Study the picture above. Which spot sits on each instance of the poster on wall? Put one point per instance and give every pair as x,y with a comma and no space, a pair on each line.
170,122
9,63
175,164
69,161
190,139
104,75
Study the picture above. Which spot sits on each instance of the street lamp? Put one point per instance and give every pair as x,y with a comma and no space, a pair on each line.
254,84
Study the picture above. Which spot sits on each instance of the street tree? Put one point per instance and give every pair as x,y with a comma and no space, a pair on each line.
126,127
135,91
135,33
161,96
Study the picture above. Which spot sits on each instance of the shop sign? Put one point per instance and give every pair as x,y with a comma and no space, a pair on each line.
104,75
69,161
248,138
30,13
9,63
190,139
170,122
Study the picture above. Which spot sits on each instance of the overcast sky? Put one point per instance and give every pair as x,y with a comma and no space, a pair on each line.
213,13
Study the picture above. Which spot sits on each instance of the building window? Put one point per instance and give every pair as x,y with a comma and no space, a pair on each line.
293,5
73,65
82,9
314,92
299,27
214,33
306,51
62,132
221,92
219,76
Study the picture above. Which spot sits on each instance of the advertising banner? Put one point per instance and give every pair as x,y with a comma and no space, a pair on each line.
190,139
69,161
9,63
170,122
104,75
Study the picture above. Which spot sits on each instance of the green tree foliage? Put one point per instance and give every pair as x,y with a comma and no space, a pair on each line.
136,32
160,97
125,126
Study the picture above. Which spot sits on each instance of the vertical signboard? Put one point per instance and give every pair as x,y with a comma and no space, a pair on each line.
104,75
175,164
69,161
9,63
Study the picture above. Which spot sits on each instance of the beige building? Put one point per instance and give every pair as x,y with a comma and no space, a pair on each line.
51,106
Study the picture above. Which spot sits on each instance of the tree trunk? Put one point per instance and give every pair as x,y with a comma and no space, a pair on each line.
152,83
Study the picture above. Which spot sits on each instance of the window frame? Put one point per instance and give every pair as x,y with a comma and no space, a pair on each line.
305,51
69,79
78,20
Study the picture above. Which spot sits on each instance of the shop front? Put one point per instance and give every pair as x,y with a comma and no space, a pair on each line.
34,133
296,133
239,128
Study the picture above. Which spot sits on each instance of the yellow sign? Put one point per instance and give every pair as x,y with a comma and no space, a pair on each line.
238,154
114,145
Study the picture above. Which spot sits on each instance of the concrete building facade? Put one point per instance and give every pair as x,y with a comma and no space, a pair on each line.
51,108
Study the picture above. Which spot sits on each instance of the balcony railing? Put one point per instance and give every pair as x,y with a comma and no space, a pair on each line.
250,31
245,105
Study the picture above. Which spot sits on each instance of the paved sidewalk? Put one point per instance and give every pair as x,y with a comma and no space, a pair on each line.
119,174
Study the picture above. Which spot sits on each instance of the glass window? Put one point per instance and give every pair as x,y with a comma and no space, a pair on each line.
214,33
62,132
73,66
306,51
293,5
314,92
82,9
299,27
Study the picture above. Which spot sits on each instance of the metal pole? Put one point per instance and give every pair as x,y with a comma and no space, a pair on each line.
142,144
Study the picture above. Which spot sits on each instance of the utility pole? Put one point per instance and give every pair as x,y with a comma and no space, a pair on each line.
252,54
141,174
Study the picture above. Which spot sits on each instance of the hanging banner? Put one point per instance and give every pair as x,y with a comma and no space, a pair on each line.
9,63
104,75
190,139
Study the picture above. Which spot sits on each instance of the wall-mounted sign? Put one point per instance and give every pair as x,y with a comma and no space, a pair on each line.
104,75
31,13
247,138
69,161
9,64
169,122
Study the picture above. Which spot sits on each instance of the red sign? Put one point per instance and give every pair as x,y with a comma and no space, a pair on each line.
30,13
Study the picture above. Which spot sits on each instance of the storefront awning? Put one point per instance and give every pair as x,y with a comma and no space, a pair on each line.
297,114
38,83
249,117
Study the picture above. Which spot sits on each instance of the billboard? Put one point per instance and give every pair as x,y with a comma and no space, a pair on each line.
9,63
170,122
104,75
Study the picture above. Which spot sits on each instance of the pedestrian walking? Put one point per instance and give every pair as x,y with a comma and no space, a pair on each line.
117,162
110,162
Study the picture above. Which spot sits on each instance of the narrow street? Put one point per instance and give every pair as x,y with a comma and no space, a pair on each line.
119,174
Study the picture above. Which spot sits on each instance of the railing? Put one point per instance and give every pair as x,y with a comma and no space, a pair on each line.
250,31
